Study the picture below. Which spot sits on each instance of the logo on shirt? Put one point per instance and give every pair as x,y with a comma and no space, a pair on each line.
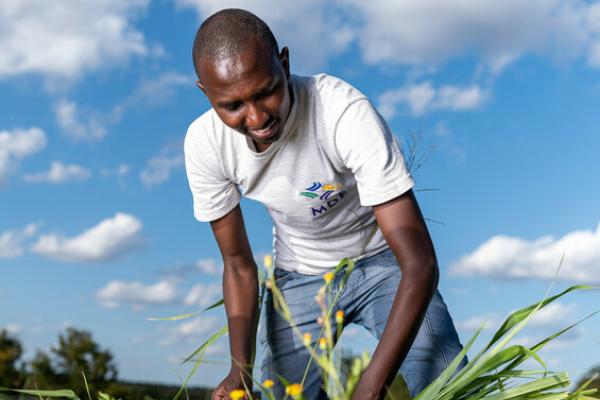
328,196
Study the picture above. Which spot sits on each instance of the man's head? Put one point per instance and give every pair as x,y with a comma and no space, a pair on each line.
243,74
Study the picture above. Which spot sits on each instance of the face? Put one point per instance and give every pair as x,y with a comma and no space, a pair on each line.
249,92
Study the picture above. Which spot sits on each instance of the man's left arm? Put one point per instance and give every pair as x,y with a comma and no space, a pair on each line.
403,227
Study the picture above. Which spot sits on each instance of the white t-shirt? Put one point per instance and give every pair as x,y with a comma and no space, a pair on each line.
335,158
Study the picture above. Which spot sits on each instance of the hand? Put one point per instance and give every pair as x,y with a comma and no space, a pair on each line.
232,381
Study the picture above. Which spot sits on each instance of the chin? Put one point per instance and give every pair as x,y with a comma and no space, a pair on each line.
268,140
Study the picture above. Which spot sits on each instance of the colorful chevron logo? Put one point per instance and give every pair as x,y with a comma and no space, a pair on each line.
323,192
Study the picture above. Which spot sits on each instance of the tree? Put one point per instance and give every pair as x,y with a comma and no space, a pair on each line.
75,354
594,375
11,369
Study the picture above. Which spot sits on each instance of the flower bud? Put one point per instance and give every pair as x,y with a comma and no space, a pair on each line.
307,339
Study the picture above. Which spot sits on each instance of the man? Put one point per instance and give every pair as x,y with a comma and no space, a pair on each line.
315,152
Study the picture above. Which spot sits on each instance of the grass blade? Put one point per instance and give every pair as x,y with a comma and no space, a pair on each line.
173,318
67,394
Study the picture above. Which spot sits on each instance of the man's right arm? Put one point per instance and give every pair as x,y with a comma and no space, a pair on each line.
240,293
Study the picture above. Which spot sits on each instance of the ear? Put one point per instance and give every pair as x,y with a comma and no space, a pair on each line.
201,86
284,58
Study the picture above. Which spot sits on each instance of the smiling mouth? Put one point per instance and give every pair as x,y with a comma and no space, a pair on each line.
266,131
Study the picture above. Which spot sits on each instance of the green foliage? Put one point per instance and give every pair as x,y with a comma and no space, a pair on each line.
151,391
12,372
76,353
492,374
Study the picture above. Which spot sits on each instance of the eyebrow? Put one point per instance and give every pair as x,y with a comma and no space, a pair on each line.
264,90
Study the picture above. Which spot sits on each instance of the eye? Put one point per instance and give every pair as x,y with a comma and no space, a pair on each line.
231,106
268,92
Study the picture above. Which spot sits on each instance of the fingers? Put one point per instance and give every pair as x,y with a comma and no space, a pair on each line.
219,394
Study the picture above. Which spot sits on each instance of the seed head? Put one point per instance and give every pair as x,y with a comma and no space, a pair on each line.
307,339
323,343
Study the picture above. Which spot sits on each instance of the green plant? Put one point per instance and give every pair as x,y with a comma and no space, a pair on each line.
494,373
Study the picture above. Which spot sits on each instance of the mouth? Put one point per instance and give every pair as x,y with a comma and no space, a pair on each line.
266,131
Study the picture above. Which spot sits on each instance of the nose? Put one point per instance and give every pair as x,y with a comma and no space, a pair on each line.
256,117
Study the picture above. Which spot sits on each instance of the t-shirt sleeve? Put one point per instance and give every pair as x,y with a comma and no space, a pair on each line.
214,195
368,148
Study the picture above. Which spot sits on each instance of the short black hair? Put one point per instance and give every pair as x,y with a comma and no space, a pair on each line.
228,32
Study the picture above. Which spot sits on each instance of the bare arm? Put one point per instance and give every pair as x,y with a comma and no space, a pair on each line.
240,293
405,231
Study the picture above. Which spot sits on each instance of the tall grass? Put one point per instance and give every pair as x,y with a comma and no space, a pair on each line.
495,372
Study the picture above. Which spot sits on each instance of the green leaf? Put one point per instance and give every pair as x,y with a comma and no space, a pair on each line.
436,386
174,318
523,313
64,393
208,342
537,386
200,351
215,305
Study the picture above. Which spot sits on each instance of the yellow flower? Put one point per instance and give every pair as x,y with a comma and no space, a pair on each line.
307,338
295,389
322,343
237,394
339,316
268,261
328,277
268,384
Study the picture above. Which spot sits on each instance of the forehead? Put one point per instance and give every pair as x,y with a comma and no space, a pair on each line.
253,67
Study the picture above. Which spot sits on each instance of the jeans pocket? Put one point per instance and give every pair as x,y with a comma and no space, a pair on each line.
282,276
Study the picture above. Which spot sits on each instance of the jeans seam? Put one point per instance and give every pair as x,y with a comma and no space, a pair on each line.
434,341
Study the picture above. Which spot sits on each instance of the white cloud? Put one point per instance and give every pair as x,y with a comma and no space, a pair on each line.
11,242
314,30
489,322
191,331
18,144
60,173
427,32
158,168
119,171
91,125
78,126
554,315
136,294
516,258
209,266
153,92
203,295
424,97
430,32
67,38
109,240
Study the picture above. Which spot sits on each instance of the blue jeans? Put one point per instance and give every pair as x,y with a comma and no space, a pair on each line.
366,300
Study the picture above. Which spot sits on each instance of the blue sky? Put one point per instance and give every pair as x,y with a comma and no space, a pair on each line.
96,224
